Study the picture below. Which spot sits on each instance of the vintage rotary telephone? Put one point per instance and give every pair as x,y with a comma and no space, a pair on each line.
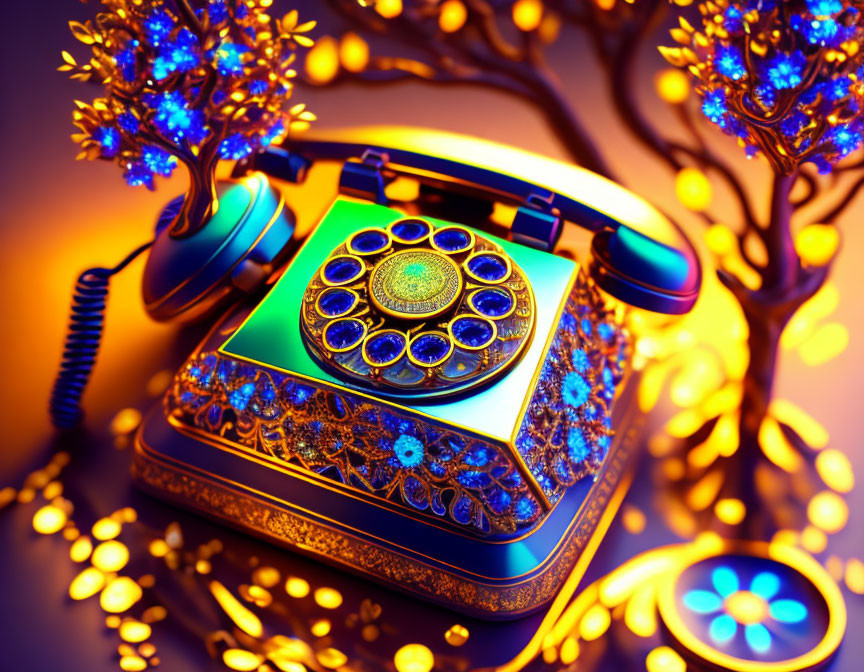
422,390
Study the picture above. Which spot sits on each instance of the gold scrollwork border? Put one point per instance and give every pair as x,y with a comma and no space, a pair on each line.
290,529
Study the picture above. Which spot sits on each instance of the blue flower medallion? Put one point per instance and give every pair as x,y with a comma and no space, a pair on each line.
754,607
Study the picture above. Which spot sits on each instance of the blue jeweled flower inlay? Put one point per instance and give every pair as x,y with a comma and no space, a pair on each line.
430,348
575,390
492,302
343,334
473,332
410,230
408,450
335,302
367,242
488,267
383,348
451,239
342,269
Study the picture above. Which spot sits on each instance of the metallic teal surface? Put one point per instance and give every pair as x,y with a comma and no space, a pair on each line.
185,275
272,335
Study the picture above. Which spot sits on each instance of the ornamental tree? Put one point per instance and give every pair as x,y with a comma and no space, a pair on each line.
188,81
784,78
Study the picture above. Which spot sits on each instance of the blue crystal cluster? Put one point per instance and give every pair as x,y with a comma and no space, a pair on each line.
567,428
785,78
347,438
199,80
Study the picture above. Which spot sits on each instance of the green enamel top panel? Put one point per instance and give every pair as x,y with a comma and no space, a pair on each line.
271,334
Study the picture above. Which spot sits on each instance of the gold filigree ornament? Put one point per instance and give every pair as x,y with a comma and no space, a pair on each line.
415,310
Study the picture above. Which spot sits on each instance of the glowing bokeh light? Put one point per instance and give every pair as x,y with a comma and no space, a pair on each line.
110,556
452,16
527,14
693,189
119,595
828,511
328,598
664,659
89,582
49,519
414,658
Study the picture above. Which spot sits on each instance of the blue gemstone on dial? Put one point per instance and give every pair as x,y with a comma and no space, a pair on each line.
410,230
452,240
430,348
473,332
343,334
367,242
335,302
342,269
488,267
384,348
492,302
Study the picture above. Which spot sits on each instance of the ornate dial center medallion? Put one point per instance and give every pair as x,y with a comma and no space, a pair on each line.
415,284
417,310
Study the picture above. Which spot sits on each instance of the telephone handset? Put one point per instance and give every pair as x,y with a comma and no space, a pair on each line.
426,393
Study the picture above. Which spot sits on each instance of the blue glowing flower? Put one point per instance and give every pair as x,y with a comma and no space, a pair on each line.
126,62
175,120
158,26
137,174
230,58
408,450
846,139
729,63
258,87
218,11
181,55
750,608
580,360
158,160
824,8
714,106
128,122
235,146
577,447
824,32
108,138
837,89
575,390
784,72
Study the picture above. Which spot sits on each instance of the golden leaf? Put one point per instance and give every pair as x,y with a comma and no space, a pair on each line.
672,55
680,36
305,27
68,58
303,41
289,21
81,32
64,68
